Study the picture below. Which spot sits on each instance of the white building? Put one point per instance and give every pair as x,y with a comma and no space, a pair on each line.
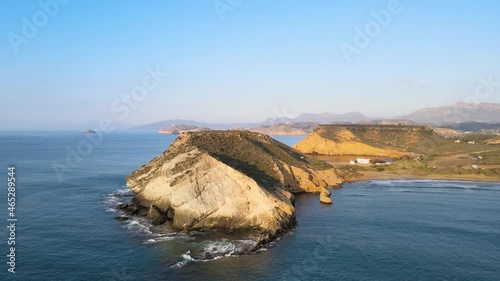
363,160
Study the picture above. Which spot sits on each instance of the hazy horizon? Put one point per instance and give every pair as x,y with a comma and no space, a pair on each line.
70,64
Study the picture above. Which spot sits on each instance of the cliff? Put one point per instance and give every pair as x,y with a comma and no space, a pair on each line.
383,140
228,180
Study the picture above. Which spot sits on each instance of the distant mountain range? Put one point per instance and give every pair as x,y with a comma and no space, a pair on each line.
479,116
324,118
457,113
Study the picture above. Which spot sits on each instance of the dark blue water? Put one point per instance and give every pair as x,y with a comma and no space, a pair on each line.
384,230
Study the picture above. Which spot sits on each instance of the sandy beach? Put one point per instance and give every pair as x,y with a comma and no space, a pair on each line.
372,175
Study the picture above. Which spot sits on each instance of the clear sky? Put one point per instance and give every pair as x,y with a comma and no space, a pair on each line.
67,65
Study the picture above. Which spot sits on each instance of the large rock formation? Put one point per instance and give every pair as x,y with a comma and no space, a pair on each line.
382,140
228,180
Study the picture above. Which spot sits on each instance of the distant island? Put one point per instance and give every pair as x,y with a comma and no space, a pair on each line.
178,129
89,132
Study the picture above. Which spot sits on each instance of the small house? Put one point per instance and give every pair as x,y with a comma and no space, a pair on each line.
363,160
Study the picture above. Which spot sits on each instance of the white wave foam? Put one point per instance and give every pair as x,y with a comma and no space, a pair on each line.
224,248
115,198
138,226
186,259
159,239
180,264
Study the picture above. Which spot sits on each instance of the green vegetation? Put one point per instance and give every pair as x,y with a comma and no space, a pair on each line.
488,157
416,139
349,172
494,173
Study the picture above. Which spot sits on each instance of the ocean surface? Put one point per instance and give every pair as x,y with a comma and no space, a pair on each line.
380,230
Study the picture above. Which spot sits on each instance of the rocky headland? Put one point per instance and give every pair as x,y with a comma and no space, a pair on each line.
227,180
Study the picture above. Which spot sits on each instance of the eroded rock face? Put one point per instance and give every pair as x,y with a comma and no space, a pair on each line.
228,180
156,215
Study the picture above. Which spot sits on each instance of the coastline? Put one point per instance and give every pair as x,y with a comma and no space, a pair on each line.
369,175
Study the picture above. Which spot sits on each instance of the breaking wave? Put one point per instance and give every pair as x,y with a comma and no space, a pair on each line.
202,246
214,250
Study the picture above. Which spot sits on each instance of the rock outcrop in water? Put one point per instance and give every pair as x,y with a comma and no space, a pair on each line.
228,180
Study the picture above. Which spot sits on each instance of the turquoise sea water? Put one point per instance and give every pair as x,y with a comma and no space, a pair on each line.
381,230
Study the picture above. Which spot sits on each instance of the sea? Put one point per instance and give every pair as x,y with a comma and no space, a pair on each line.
68,183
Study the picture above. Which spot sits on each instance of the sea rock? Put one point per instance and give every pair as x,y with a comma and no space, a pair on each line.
325,198
156,216
121,206
121,218
326,191
132,209
229,180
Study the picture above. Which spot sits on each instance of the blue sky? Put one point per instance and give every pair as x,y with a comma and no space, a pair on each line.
260,59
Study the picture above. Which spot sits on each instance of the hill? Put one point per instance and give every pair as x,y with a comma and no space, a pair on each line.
474,126
495,140
383,140
457,113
